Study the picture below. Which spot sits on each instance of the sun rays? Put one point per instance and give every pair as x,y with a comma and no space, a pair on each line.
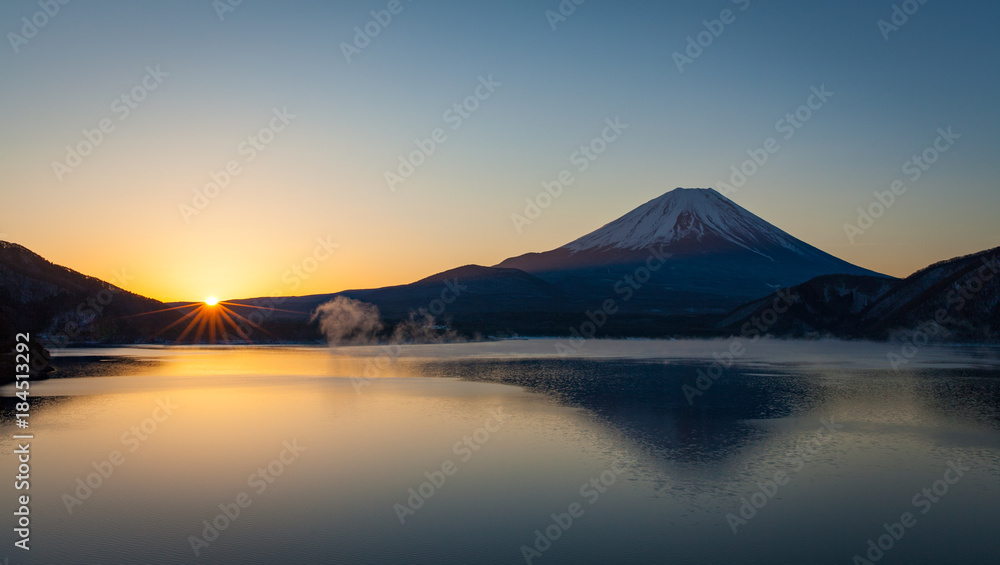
215,322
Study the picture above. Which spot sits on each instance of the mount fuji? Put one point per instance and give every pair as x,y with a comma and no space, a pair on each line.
675,265
688,263
719,256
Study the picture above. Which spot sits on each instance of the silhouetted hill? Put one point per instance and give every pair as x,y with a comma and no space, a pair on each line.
830,304
953,300
961,294
59,305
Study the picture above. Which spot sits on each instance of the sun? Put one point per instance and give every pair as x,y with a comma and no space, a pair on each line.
218,319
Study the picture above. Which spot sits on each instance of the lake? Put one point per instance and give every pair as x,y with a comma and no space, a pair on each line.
508,452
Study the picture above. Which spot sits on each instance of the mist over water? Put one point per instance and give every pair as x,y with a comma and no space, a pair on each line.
345,321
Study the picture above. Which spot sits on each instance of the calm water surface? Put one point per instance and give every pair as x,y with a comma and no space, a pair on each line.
796,453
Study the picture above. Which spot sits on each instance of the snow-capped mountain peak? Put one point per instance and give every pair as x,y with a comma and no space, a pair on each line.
688,215
717,255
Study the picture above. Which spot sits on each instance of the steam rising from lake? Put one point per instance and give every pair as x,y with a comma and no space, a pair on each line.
345,321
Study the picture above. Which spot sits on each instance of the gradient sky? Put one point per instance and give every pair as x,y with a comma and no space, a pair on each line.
323,175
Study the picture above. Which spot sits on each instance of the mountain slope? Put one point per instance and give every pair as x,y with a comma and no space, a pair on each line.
721,255
470,299
953,300
826,305
43,298
962,295
468,289
701,218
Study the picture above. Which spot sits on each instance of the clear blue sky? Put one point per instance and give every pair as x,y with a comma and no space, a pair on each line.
324,174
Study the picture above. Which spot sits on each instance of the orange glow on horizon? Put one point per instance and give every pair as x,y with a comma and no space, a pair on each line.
212,320
215,321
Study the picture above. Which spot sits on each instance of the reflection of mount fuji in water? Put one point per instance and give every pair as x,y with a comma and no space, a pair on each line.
748,405
688,263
